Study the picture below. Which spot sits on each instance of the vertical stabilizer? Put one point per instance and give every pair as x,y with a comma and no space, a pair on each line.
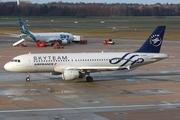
154,42
24,29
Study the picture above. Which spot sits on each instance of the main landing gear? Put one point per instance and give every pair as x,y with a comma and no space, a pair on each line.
89,79
28,77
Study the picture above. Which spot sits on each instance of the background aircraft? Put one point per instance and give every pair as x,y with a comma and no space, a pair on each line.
40,38
77,65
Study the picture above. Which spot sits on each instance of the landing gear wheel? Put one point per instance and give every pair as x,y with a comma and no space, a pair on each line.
27,79
89,79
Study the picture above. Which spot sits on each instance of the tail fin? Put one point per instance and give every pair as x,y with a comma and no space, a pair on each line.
24,29
154,42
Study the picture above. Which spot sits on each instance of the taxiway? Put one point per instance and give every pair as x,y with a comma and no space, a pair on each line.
148,92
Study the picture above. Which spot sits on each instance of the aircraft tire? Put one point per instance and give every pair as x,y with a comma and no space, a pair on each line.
89,79
27,79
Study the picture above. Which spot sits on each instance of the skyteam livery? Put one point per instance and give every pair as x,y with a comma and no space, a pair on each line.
61,37
77,65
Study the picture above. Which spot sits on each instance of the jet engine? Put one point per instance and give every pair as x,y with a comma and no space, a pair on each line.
64,41
71,74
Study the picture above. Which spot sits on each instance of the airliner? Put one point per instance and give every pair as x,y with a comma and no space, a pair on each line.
61,37
78,65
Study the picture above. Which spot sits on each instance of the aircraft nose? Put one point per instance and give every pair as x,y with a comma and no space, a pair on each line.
7,67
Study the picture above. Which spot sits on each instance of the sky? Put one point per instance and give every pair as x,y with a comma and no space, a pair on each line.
106,1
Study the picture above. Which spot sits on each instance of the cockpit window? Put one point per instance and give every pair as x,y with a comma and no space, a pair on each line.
15,60
12,60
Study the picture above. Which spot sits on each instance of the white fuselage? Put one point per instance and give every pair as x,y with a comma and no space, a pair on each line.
58,62
50,37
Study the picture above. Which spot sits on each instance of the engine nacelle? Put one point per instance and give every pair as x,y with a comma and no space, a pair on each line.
64,41
70,74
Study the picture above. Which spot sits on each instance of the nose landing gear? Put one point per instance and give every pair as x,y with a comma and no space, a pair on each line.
28,77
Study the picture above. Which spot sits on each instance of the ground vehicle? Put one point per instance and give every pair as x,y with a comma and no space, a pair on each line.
108,41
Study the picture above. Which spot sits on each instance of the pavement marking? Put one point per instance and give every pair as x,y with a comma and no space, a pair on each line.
165,102
88,108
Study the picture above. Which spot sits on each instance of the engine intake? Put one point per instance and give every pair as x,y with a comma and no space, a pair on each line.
64,41
71,74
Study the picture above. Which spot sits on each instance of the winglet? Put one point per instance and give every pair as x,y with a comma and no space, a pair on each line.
154,42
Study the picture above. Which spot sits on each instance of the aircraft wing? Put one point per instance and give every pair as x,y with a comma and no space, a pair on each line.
94,69
85,68
52,39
